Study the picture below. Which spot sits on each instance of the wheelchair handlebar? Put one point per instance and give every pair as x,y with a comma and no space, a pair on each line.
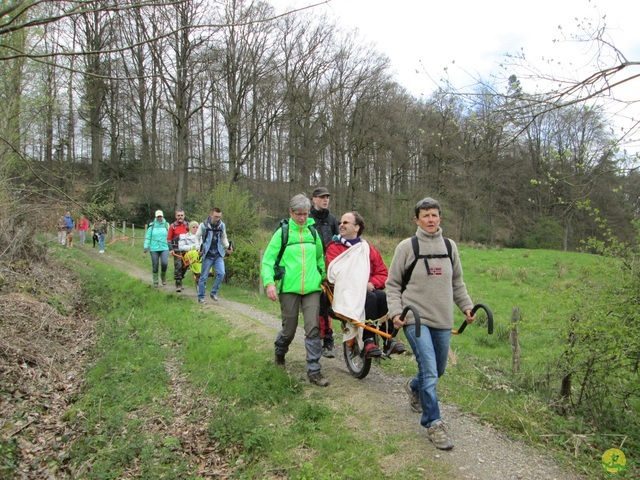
416,316
473,311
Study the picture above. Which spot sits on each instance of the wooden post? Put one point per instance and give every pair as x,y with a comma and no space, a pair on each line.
261,284
515,345
452,357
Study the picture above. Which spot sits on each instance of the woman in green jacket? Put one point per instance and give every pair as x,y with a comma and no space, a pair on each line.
155,242
300,267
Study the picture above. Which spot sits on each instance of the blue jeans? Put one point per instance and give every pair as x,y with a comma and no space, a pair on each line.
101,241
216,262
431,350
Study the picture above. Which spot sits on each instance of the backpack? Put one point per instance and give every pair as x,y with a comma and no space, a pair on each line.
284,226
416,252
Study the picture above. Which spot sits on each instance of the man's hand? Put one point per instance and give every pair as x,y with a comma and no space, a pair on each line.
371,287
470,318
271,292
145,250
397,323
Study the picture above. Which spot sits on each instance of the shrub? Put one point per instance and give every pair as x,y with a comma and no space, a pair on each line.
547,234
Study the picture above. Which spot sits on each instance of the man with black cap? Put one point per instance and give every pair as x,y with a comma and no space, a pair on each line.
327,226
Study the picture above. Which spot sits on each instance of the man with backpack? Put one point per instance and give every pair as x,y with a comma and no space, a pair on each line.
327,226
180,226
426,272
292,272
214,247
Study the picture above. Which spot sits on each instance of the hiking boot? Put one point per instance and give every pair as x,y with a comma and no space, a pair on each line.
164,281
371,350
394,346
280,361
178,288
437,433
214,297
201,301
328,352
155,284
318,379
414,400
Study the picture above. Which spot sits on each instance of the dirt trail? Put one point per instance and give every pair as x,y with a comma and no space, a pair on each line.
380,404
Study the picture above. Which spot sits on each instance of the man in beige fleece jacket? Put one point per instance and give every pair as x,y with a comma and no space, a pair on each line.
432,285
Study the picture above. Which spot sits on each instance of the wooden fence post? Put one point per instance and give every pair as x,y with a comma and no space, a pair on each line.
515,345
261,284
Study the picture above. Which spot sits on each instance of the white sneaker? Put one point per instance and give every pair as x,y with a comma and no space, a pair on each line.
101,251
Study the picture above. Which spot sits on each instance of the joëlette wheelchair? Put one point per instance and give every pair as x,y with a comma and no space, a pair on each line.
357,362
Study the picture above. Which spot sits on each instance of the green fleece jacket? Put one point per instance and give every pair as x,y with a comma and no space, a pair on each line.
433,295
303,260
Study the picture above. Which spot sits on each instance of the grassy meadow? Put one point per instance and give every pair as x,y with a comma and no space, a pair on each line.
272,415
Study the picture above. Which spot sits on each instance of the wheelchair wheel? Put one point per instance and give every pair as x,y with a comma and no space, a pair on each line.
356,363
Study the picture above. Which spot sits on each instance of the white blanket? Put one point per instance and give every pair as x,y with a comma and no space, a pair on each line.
349,272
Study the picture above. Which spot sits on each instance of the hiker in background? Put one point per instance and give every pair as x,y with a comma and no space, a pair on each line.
177,228
214,247
83,226
432,282
69,232
292,271
155,242
327,226
101,231
359,274
189,246
61,225
95,237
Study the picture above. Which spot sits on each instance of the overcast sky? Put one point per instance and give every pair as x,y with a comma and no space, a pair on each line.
423,37
470,38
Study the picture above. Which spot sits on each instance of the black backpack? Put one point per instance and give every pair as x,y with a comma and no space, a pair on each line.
284,225
416,252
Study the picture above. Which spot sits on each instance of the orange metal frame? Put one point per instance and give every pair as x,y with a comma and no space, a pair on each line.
329,293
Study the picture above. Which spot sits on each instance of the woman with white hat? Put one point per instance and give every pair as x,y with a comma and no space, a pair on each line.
155,242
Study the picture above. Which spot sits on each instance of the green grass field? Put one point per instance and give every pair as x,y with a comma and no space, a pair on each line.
546,287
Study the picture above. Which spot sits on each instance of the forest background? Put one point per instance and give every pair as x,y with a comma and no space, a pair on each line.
117,110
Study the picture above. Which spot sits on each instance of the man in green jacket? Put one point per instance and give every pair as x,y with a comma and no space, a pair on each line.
301,270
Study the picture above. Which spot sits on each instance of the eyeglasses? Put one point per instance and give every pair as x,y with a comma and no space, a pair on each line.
345,223
301,214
